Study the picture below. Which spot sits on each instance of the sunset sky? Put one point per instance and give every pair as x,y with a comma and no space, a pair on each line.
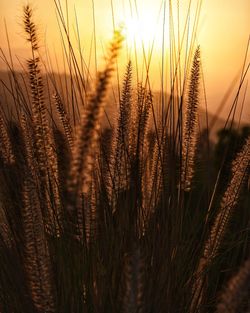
222,33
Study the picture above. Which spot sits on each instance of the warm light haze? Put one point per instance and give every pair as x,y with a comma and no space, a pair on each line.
124,156
222,33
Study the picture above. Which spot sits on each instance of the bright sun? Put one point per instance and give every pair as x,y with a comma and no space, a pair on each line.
146,29
141,30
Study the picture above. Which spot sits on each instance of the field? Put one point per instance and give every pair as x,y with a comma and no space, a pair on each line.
116,198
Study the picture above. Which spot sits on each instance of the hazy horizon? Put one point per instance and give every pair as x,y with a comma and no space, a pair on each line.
222,34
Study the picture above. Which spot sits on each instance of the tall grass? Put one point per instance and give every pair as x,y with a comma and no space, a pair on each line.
137,217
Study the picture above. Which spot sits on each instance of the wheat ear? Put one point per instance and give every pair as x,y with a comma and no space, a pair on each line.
240,172
190,124
119,153
64,120
37,262
87,135
6,151
47,160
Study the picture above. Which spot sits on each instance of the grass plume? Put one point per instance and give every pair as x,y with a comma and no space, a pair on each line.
130,211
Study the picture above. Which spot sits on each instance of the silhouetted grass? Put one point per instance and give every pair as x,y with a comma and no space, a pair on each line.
141,217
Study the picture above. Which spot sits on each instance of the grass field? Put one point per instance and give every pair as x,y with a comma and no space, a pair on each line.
143,213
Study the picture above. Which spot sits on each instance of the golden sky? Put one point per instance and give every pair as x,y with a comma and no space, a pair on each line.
222,33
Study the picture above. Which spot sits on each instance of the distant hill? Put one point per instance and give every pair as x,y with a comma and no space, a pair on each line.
63,83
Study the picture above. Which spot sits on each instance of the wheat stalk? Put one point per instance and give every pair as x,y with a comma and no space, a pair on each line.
120,148
6,151
37,262
190,124
64,119
47,159
240,172
87,136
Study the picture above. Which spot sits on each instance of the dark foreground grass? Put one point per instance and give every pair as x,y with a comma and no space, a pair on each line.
146,216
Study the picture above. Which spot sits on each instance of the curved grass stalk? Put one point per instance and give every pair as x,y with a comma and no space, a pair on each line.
83,155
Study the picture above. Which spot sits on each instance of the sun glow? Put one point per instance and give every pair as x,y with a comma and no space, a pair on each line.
141,30
146,29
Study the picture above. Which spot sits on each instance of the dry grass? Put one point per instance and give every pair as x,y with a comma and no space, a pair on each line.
142,217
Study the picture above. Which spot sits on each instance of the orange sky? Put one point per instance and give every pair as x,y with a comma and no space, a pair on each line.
222,34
